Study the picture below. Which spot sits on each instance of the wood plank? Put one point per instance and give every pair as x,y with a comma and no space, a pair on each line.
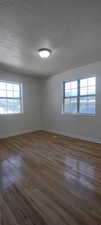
49,179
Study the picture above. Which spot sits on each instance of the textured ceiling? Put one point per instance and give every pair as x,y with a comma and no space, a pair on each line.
71,28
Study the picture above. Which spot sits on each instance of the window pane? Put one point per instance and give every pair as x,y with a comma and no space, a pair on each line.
13,106
67,85
9,86
2,85
3,106
3,93
9,94
16,94
70,93
83,91
91,90
71,89
9,90
87,105
88,86
10,99
70,105
17,105
16,87
73,84
92,81
83,83
87,98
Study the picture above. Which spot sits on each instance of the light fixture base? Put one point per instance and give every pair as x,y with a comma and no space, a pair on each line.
44,53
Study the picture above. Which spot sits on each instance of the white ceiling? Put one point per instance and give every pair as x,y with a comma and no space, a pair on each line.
70,28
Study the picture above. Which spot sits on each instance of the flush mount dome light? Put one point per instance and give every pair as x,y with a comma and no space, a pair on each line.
44,52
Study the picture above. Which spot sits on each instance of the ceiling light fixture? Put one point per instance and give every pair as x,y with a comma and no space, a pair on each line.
44,52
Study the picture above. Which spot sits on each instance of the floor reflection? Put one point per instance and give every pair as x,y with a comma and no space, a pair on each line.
79,174
10,171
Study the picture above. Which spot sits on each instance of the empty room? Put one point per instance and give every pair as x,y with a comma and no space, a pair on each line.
50,112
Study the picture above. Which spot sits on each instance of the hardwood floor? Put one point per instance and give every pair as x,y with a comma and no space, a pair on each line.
48,179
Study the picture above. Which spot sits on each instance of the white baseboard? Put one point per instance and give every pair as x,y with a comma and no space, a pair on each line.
16,133
95,140
91,139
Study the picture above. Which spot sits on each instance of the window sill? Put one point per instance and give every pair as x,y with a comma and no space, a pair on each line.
79,114
11,114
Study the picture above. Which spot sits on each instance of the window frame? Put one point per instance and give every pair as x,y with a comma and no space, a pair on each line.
78,96
20,98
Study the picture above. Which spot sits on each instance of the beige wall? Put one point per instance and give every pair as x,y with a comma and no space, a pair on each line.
52,98
30,119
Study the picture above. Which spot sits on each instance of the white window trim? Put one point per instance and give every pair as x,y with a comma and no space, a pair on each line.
21,97
77,113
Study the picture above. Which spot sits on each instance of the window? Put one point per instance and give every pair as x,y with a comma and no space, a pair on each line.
80,96
10,97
